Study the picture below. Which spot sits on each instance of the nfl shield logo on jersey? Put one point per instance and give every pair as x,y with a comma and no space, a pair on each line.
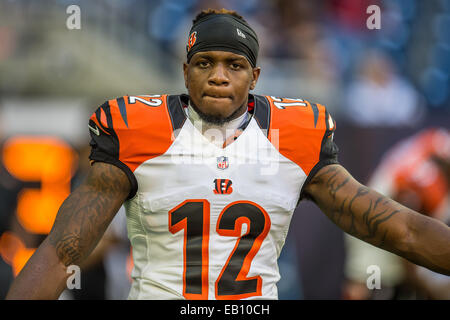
222,162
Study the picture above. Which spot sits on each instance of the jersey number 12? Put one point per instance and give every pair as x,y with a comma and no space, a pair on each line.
192,216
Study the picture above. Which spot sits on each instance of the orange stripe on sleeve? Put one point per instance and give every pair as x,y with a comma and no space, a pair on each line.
149,131
299,135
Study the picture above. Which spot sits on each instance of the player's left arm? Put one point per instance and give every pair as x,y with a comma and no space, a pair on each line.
379,220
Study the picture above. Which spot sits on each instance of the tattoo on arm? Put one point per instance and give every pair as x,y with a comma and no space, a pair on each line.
87,212
355,208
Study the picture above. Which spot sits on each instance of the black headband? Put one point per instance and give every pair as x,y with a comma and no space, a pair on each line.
223,32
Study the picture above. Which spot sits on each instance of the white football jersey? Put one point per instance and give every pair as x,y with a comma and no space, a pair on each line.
209,222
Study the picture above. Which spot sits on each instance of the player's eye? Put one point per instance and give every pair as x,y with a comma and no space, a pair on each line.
235,66
203,64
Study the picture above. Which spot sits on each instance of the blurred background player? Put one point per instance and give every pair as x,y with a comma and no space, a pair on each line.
415,172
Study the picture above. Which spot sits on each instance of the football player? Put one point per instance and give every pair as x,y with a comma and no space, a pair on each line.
210,180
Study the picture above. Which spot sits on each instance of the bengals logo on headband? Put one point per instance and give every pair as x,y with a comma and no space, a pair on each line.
191,41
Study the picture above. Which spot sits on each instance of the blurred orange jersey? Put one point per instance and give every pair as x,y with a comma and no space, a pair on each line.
409,174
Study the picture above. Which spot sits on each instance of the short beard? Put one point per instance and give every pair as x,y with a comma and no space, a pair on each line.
216,120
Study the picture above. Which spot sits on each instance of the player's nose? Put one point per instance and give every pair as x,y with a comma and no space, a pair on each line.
219,75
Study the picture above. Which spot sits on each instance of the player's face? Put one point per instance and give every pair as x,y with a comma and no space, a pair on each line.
218,83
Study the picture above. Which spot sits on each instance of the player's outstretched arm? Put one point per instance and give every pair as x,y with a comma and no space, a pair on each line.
81,221
380,221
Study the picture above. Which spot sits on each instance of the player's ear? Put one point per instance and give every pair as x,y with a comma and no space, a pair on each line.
255,73
185,72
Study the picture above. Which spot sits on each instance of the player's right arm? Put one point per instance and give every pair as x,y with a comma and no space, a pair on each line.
80,223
